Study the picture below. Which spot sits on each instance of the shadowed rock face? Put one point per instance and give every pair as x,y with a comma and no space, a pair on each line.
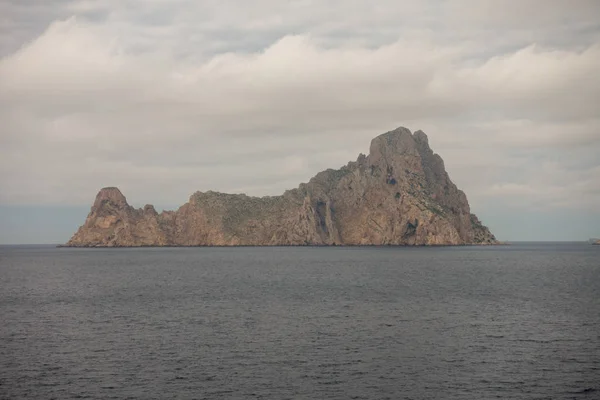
400,194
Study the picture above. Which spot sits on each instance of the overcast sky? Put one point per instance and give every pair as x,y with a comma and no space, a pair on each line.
165,97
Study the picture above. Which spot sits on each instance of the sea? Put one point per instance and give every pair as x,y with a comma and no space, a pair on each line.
520,321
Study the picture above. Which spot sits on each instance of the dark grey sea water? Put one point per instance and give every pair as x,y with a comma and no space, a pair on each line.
511,322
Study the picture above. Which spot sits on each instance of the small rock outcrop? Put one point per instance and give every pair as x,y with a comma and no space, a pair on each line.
400,194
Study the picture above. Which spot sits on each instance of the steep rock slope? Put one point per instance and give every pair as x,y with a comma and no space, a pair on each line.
400,194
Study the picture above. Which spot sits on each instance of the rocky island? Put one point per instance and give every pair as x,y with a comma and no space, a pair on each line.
400,194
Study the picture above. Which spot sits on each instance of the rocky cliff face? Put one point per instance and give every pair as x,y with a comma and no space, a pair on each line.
400,194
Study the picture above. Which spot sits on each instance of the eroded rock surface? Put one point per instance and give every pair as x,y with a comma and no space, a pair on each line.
400,194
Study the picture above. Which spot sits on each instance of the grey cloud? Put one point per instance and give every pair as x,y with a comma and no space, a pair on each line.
206,95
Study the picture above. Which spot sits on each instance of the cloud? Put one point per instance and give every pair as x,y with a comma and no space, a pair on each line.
184,96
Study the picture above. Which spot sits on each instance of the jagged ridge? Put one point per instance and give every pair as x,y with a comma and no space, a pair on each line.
400,194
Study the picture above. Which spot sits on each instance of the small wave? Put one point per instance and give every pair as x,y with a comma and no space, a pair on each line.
574,361
585,391
334,382
457,360
546,341
100,350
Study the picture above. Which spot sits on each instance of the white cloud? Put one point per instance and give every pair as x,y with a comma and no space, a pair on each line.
181,97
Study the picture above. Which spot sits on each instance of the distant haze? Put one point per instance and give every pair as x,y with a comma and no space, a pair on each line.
165,97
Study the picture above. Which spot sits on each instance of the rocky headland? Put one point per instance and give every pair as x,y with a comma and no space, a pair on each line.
400,194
